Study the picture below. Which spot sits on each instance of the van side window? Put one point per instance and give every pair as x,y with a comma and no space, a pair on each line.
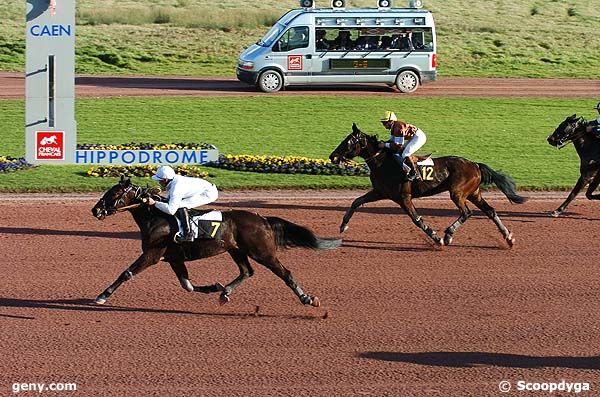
296,37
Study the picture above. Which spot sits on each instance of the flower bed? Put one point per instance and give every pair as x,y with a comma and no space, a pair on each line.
142,171
11,164
287,165
145,146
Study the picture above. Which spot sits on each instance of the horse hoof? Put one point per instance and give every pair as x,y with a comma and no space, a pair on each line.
555,214
343,228
100,301
447,239
510,240
315,302
224,299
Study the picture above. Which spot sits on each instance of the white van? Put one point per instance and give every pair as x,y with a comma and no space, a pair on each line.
309,46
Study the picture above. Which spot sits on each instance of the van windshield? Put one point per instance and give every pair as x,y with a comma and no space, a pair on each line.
271,35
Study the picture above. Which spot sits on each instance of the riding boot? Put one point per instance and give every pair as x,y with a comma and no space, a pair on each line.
184,218
412,172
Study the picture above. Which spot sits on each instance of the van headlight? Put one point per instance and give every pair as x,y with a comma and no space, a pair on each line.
246,65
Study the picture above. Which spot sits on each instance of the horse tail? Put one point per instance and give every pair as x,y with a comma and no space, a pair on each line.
504,182
288,234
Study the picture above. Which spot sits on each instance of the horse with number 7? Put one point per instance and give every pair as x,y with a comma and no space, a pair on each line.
461,177
242,234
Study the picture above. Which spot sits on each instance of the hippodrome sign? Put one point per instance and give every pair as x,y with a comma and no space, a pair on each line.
50,126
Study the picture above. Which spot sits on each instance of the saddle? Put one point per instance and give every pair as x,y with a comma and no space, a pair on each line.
205,223
422,160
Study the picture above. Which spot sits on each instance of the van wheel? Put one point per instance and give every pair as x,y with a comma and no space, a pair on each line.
407,81
270,81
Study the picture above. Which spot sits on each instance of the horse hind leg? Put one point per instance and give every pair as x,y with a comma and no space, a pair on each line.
182,275
491,213
246,271
465,213
274,265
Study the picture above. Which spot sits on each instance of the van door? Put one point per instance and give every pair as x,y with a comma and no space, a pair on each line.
293,54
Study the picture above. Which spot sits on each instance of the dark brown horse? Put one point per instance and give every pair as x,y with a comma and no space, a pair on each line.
242,234
461,177
574,129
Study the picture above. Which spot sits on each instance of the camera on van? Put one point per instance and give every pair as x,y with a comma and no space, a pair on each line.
384,4
307,4
338,4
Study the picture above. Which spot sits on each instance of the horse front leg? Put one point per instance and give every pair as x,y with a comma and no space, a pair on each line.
182,275
407,205
368,197
593,186
581,182
145,260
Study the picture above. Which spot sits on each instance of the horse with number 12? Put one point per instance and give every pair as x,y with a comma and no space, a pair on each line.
461,177
242,234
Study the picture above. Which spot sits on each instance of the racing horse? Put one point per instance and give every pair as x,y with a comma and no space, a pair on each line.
242,234
461,177
574,129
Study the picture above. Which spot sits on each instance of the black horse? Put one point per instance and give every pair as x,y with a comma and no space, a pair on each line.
574,129
242,234
461,177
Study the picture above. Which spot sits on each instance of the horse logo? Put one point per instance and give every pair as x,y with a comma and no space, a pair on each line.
50,145
49,140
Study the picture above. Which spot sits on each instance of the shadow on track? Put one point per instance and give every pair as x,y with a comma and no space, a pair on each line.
476,359
88,305
78,233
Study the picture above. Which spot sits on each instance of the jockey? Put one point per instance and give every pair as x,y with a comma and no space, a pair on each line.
594,125
405,136
183,192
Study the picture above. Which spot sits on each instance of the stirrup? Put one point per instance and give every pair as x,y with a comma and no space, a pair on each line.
186,238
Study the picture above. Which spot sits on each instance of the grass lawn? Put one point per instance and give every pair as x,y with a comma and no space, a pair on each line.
507,134
519,38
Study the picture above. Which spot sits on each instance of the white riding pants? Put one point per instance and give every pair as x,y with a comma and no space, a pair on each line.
415,144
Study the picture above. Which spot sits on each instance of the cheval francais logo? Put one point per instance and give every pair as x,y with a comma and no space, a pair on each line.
294,62
49,145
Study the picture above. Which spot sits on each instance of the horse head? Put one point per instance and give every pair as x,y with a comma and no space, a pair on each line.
352,146
566,131
121,195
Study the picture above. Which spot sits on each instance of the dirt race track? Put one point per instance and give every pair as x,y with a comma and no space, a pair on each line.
399,317
12,86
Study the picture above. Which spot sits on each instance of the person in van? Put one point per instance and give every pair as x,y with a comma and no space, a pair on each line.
366,43
406,138
321,43
402,42
343,42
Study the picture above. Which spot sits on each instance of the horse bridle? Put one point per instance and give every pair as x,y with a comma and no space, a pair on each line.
121,200
570,135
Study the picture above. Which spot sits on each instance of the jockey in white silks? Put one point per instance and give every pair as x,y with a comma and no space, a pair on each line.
183,192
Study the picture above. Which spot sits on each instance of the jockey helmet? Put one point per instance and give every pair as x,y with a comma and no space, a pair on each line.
389,116
164,172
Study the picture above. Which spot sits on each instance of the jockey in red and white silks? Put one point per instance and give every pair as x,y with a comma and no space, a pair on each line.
406,136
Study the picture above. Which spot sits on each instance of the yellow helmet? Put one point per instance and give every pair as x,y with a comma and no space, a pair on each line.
389,116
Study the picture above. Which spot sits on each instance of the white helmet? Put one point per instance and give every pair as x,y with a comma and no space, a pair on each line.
164,172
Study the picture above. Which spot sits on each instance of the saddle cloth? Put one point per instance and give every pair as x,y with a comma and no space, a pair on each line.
205,225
